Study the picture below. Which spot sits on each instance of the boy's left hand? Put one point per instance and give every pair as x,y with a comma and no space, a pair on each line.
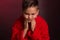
33,24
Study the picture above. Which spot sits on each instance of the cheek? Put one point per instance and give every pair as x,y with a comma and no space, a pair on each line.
35,16
26,16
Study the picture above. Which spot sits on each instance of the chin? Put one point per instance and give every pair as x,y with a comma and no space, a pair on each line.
29,21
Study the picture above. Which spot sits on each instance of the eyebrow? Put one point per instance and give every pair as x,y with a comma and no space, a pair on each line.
28,13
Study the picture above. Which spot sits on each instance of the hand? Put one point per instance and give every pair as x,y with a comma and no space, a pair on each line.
25,28
33,24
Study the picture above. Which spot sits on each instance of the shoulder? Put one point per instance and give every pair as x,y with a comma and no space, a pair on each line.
41,20
18,23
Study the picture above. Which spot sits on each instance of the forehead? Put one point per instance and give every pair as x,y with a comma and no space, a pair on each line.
31,10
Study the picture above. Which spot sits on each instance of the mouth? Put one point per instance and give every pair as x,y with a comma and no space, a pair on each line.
29,20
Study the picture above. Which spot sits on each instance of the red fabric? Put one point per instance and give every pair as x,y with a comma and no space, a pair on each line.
40,32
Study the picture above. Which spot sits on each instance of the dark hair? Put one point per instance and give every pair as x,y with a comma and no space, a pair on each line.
29,3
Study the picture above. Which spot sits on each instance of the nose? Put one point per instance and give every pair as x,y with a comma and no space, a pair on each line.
29,16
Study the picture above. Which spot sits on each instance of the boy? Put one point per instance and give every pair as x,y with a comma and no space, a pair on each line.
30,26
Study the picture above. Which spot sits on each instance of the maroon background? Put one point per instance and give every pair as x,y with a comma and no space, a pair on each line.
10,10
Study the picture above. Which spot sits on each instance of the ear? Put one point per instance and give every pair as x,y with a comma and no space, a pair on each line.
37,11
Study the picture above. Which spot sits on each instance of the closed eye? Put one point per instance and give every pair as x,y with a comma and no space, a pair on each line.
33,14
26,13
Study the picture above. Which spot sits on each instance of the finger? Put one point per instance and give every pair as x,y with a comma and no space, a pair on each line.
26,24
33,23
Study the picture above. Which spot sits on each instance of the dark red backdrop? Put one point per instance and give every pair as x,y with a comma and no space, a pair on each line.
10,10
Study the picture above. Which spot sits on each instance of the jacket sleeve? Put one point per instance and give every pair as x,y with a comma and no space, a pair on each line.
45,32
16,32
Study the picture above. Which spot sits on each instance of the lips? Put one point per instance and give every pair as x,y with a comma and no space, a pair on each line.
29,20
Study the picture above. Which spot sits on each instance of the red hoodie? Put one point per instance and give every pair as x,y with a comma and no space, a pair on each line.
40,32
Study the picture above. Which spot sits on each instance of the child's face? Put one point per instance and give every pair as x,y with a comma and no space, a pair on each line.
31,13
